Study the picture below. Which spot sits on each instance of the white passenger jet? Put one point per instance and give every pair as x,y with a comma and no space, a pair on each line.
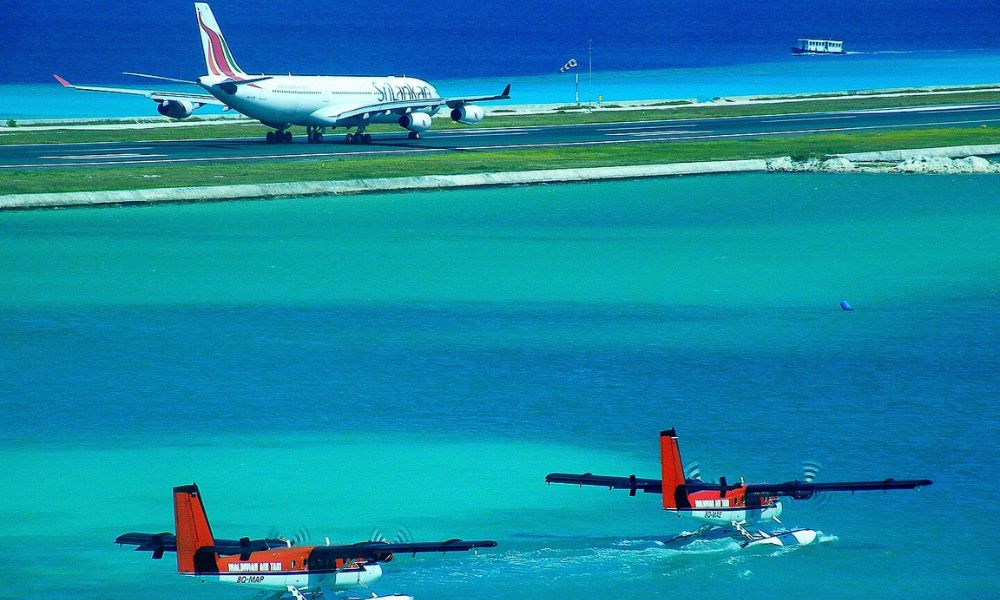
315,102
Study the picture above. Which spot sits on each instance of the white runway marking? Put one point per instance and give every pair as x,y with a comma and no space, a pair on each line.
650,126
810,119
224,158
920,109
120,150
102,156
657,132
731,135
489,133
493,130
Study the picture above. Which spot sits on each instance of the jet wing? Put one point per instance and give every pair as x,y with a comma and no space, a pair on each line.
801,490
156,96
630,483
456,102
399,106
404,106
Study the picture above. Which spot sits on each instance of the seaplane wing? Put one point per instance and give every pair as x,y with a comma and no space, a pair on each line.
154,95
630,483
404,106
378,550
801,490
158,543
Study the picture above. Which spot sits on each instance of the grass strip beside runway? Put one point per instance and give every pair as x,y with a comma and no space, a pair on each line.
253,129
450,162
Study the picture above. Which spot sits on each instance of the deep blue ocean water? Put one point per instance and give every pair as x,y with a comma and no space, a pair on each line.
96,40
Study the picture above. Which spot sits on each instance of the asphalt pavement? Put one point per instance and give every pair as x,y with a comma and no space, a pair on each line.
484,137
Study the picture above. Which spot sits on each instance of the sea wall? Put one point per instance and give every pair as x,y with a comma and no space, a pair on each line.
964,159
360,186
949,160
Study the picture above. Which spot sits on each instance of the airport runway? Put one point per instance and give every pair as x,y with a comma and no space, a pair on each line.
194,151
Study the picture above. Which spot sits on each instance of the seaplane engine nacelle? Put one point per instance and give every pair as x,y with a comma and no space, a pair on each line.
416,121
175,109
468,114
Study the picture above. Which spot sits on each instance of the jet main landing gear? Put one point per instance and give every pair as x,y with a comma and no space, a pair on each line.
314,135
279,137
358,138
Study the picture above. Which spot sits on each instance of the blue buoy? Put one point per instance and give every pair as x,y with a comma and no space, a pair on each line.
845,305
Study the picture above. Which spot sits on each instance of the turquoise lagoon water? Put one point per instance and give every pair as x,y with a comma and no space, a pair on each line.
784,74
420,361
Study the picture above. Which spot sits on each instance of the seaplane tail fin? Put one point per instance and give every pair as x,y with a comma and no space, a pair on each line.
674,495
195,542
218,59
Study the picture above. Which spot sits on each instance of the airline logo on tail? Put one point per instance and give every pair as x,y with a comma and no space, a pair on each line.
218,59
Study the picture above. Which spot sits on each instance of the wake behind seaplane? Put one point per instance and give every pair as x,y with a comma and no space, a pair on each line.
274,564
729,506
315,102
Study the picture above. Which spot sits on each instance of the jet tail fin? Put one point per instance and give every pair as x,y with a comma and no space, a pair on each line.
218,59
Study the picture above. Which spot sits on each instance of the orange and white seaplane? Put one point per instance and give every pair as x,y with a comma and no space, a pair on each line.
728,508
276,565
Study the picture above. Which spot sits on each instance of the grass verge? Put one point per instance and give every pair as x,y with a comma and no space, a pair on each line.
486,161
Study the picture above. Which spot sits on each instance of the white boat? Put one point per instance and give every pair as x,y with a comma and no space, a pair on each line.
811,46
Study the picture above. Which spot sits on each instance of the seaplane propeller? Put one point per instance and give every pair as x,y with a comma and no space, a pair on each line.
693,471
810,470
301,536
403,536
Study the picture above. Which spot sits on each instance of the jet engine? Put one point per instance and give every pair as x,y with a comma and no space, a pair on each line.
416,121
175,109
468,114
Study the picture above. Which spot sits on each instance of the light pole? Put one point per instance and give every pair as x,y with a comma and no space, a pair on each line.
569,66
590,74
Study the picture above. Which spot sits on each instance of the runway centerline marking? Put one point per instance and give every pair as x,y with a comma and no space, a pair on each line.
810,119
650,126
119,150
656,132
100,156
225,158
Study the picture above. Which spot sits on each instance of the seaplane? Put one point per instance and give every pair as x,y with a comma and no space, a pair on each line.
276,567
729,509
